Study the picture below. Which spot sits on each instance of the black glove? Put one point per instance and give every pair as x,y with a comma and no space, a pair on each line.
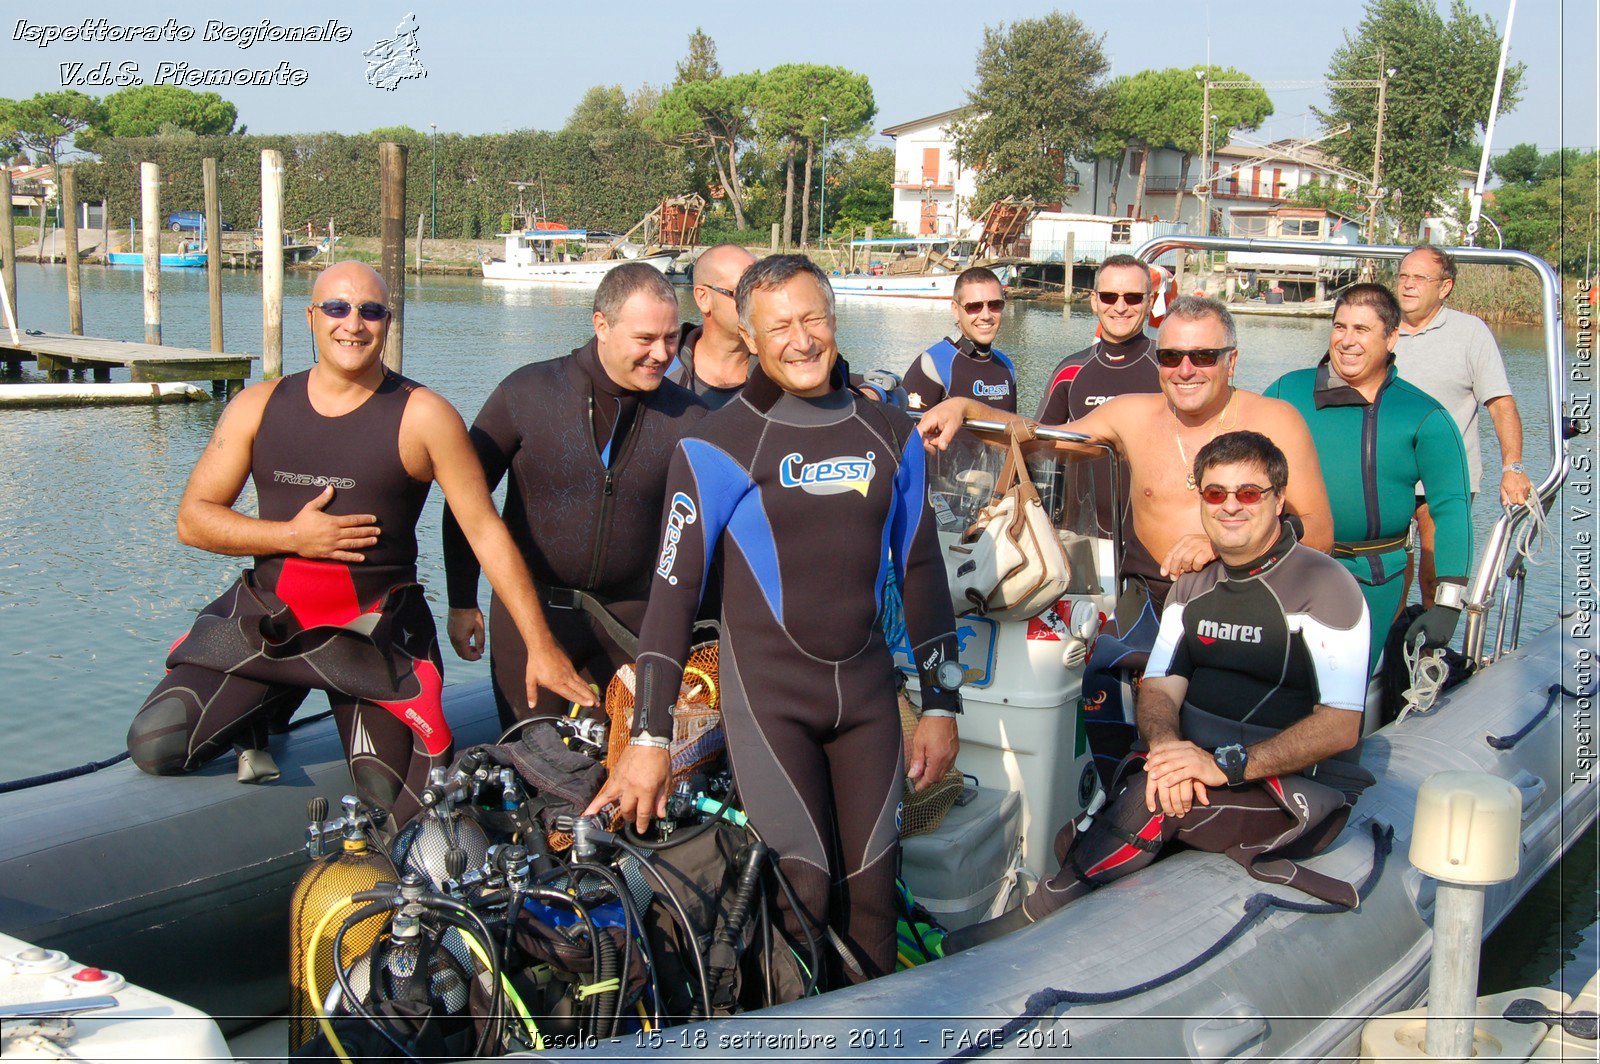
1433,628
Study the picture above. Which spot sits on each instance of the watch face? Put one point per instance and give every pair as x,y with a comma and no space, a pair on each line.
950,675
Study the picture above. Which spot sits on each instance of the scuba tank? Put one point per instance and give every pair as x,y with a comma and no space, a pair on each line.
327,887
424,847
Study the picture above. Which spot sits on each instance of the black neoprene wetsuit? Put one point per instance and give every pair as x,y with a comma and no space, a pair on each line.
362,632
681,370
588,466
960,367
803,505
1260,644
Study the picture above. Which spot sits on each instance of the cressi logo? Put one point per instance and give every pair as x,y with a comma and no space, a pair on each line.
680,515
1096,400
306,480
991,391
831,476
1211,631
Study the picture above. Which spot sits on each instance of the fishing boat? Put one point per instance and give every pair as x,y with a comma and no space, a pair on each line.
182,884
563,256
181,260
926,267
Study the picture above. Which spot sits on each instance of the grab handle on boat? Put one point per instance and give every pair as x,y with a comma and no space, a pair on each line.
1227,1036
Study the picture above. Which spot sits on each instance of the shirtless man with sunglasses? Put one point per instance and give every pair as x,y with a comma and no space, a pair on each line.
342,456
1158,435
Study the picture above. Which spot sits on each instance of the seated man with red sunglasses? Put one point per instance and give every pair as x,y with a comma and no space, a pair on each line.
969,366
342,456
1158,436
1250,710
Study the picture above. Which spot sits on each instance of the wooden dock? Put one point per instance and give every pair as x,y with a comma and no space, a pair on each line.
59,355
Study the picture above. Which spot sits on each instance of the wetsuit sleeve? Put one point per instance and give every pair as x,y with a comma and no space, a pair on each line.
705,487
495,438
925,587
1442,460
1054,408
922,380
1170,655
1339,653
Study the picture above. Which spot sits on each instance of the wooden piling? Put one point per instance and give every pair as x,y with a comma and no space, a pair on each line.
271,264
69,207
392,176
213,209
8,240
850,259
773,247
150,221
1068,261
105,231
423,217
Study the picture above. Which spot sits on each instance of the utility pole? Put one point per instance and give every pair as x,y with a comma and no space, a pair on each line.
1376,195
433,212
822,213
1205,155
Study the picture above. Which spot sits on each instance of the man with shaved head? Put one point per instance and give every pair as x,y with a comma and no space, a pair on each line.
342,456
713,361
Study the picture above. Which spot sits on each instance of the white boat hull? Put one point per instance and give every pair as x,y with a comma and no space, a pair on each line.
917,286
572,273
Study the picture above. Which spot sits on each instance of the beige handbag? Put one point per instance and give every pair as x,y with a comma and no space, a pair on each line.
1009,565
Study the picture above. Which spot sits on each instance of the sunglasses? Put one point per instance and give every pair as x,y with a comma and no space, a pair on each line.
720,291
1200,357
341,308
1133,299
995,306
1247,494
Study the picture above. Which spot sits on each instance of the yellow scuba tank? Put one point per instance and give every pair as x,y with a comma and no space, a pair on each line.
328,886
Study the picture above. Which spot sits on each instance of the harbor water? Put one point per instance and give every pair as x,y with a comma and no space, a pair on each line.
94,585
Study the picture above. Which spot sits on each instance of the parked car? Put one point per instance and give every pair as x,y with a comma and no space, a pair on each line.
178,221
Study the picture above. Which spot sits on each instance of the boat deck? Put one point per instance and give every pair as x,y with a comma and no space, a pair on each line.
59,355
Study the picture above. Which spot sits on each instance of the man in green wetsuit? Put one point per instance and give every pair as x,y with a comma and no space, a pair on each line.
1378,436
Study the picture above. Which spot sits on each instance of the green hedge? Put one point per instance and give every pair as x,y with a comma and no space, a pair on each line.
331,175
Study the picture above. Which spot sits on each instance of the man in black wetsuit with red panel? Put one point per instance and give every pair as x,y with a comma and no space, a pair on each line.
1122,357
802,495
342,456
585,440
1250,710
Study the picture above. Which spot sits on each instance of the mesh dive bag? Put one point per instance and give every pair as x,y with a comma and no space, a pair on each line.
697,735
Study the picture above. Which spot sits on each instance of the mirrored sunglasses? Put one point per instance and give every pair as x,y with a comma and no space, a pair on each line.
995,305
341,308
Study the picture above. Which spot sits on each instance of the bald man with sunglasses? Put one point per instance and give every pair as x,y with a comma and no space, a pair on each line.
1159,435
342,456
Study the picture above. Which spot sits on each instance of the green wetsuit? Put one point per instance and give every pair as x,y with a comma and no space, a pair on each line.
1373,455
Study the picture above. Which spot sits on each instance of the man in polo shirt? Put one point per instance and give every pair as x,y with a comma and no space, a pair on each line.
1454,358
969,366
712,360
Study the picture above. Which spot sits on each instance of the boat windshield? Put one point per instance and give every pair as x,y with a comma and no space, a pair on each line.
963,478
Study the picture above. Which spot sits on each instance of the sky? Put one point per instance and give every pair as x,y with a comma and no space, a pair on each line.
497,66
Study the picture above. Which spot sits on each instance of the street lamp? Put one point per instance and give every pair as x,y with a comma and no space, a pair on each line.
822,213
433,214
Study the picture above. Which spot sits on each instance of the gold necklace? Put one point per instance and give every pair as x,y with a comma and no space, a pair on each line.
1177,437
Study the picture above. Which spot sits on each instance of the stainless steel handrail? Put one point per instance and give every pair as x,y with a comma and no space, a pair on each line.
1480,592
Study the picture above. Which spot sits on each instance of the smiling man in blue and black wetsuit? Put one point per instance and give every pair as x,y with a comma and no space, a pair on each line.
1389,435
968,365
585,440
803,495
1249,712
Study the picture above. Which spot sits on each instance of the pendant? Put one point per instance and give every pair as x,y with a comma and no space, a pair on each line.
1189,482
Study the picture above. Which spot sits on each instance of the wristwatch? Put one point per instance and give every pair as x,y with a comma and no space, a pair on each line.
1513,467
1232,759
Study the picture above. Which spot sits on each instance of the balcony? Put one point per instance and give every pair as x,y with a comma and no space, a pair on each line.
917,178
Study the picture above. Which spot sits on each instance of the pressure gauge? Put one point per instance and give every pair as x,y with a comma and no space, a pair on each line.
1084,620
950,675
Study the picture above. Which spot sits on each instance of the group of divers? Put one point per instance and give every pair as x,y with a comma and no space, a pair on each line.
736,470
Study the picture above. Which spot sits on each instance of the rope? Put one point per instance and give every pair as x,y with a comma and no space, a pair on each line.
1506,742
1532,535
1257,905
1428,672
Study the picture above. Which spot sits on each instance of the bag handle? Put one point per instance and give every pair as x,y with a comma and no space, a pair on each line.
1015,471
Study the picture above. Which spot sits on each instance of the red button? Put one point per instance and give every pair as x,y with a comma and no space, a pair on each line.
89,975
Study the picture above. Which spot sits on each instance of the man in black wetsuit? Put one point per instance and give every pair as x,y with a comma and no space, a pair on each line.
712,360
1250,710
586,440
1121,359
342,456
968,365
803,495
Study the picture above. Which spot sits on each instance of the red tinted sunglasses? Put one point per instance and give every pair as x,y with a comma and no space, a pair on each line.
1247,494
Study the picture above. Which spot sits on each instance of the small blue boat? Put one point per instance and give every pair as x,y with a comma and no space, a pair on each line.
185,260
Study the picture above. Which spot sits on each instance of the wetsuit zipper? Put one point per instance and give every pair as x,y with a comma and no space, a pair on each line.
603,531
1369,471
